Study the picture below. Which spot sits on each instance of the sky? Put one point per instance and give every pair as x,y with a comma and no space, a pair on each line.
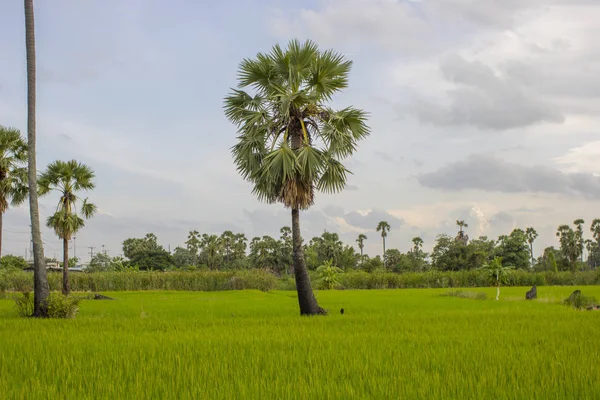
480,110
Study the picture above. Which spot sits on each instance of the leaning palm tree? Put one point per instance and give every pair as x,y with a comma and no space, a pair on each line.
384,228
40,281
13,173
67,178
531,235
497,273
290,142
361,242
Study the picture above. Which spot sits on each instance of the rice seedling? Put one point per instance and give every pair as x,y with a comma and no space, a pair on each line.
411,343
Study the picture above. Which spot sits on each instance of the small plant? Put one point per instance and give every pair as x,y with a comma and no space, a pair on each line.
24,304
496,273
465,294
327,275
61,306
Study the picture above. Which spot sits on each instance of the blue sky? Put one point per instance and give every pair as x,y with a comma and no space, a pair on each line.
469,120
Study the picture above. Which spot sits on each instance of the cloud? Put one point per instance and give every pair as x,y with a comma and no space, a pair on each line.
371,219
582,159
485,100
481,172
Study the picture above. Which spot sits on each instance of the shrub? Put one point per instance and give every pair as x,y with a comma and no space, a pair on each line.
579,301
24,304
465,294
61,306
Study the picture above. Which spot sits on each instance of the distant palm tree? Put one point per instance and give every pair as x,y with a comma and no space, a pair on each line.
67,178
41,289
531,235
384,228
13,173
579,237
289,141
361,242
462,236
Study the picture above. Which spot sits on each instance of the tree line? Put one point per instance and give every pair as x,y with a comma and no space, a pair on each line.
233,251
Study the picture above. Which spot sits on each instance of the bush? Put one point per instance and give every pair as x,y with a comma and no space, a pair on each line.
61,306
24,304
579,301
465,294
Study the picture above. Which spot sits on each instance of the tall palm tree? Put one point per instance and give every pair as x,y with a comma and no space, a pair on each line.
531,235
289,141
13,173
41,289
384,228
67,178
579,236
361,242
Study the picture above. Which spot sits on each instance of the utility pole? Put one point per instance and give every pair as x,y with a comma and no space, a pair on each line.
103,250
74,248
91,252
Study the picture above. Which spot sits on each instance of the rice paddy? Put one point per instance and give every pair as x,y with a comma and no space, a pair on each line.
392,344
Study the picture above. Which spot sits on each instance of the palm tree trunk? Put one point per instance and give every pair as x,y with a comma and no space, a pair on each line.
497,292
383,256
1,217
65,288
40,281
532,259
306,298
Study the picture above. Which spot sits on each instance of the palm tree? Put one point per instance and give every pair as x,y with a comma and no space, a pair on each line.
41,289
531,235
361,243
13,174
579,236
497,273
289,141
462,236
67,178
384,228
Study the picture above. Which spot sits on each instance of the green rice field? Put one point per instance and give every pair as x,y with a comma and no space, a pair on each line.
389,344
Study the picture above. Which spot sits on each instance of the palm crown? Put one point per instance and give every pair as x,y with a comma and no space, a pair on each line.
289,142
68,178
384,228
13,173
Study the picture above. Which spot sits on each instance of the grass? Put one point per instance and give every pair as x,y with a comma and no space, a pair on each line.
251,344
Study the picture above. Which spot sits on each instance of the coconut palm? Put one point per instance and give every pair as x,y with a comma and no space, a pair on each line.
290,142
67,178
13,173
40,281
361,242
384,228
497,273
531,235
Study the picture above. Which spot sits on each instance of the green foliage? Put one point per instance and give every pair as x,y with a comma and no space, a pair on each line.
327,275
463,294
514,249
10,261
328,247
24,304
13,168
289,142
579,301
68,178
61,306
251,344
146,254
496,272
